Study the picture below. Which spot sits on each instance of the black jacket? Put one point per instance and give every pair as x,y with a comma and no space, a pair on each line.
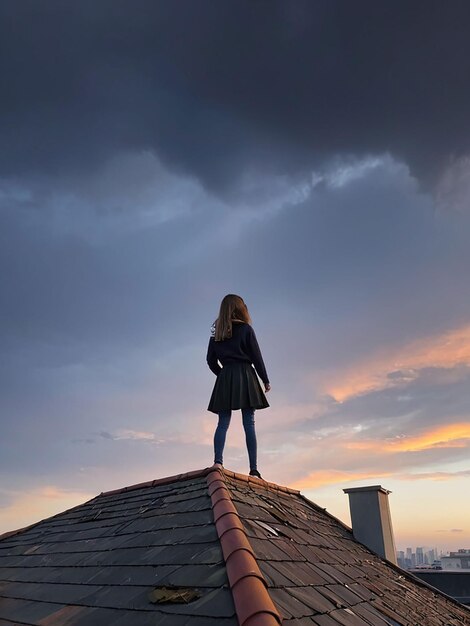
242,346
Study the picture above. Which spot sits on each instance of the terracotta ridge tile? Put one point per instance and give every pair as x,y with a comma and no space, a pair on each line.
218,496
260,619
250,605
228,522
253,604
215,486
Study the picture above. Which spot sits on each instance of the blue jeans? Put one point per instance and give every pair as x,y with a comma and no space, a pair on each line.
250,434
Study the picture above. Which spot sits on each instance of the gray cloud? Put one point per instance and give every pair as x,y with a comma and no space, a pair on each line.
435,396
117,303
436,476
156,157
216,90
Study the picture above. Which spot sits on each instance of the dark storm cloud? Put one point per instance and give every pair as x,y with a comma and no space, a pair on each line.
218,87
155,156
85,262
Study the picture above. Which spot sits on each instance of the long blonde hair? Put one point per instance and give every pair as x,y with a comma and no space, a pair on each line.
232,308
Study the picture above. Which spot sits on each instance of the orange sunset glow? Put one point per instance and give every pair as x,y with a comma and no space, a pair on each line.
443,350
448,436
322,478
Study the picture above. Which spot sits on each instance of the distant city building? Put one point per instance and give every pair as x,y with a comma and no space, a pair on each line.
430,556
450,573
456,560
401,559
424,557
419,556
409,558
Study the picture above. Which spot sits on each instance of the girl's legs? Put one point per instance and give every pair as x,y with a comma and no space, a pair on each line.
250,434
220,434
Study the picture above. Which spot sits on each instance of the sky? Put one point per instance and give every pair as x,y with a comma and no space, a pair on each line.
311,156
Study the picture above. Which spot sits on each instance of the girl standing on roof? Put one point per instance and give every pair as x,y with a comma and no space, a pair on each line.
233,343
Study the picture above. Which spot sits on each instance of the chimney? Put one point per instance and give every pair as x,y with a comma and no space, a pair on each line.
371,521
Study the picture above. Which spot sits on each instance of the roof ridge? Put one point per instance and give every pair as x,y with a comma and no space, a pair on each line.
159,481
200,473
259,481
17,531
253,604
197,474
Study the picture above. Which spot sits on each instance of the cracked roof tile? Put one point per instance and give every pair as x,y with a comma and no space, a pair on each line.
239,549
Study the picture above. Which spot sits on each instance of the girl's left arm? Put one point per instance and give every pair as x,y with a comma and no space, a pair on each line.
211,358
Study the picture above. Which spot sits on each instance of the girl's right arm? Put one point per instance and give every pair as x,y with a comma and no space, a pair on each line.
256,358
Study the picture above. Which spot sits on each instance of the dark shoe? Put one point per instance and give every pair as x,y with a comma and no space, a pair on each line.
255,473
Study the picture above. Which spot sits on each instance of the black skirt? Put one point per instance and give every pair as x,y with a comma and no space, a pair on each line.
237,387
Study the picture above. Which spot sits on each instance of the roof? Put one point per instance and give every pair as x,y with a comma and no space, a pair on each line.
206,547
453,582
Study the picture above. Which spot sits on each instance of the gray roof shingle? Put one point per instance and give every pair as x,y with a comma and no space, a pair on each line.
113,559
